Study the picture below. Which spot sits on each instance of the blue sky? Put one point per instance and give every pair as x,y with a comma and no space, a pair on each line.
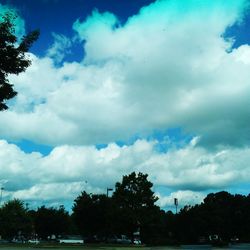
160,87
39,14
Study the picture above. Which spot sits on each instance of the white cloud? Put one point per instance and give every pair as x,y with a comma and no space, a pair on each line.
72,169
60,48
164,68
185,198
54,192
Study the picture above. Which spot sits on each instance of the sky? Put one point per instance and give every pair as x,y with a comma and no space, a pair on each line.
154,86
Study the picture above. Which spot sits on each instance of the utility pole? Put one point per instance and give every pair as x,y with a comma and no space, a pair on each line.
1,196
176,204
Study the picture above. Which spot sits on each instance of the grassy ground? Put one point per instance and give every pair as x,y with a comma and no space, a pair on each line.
75,247
80,247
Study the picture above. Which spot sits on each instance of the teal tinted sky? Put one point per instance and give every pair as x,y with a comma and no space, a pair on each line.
39,14
159,87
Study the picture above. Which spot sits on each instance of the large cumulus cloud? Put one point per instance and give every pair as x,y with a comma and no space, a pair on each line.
165,67
192,170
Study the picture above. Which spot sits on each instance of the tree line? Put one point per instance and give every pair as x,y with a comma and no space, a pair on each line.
131,211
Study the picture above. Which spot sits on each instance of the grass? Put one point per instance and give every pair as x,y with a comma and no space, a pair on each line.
75,246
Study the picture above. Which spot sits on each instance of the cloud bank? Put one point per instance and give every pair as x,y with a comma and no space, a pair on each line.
191,170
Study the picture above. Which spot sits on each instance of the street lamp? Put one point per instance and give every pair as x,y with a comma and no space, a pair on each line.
1,195
176,204
109,189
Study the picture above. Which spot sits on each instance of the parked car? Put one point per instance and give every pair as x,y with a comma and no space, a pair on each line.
71,239
4,241
137,242
123,239
234,240
34,241
111,239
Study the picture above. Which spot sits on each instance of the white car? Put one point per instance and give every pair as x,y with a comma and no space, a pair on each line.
71,239
137,242
34,241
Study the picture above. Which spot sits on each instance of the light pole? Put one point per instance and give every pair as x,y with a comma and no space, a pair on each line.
109,189
1,196
176,204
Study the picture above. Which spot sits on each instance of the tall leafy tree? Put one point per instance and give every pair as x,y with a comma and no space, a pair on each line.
93,214
136,203
48,221
14,219
13,59
135,192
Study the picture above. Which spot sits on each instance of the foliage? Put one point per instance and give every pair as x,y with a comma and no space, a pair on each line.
13,59
14,219
134,192
51,221
136,204
92,214
221,213
132,207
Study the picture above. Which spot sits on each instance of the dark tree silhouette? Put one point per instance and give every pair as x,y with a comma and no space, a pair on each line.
134,192
48,221
93,214
14,219
221,214
13,59
136,203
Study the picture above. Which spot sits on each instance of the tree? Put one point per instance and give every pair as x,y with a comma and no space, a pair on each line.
134,192
13,59
136,203
48,221
220,213
93,214
14,219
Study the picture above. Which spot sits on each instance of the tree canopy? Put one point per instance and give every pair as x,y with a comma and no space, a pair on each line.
49,221
13,58
136,202
93,214
132,207
14,219
134,192
130,210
